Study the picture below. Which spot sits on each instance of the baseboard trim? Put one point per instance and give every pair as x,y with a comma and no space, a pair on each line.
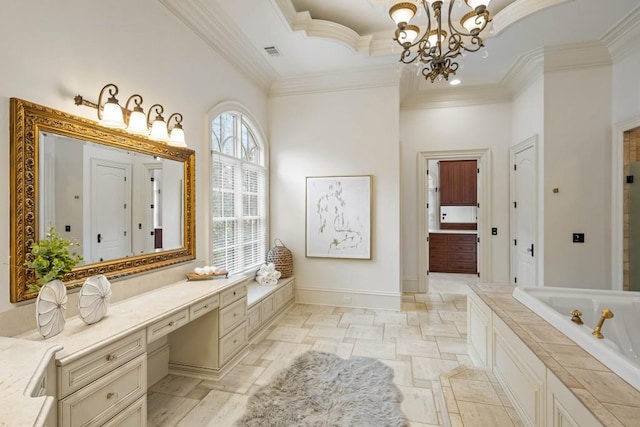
204,373
410,284
349,298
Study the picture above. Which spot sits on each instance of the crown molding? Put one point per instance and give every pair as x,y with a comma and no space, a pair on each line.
214,26
362,78
457,97
622,39
518,10
302,21
524,70
576,55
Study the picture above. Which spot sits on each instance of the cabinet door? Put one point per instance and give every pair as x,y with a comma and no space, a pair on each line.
458,182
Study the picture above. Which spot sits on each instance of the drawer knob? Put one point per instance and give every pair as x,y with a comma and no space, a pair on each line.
111,357
206,306
234,293
112,395
235,341
172,323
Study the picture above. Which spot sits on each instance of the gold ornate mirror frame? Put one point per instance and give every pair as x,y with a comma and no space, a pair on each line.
27,121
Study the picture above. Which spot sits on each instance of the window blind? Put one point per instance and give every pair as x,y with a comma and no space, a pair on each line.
238,206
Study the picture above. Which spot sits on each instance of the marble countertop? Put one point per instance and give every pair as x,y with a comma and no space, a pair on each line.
128,316
22,365
454,231
610,398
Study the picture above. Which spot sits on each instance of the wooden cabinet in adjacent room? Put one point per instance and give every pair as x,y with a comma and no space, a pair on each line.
458,182
452,253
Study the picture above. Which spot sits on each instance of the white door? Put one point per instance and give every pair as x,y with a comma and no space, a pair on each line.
110,207
524,251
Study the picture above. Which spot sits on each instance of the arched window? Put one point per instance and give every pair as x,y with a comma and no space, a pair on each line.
238,194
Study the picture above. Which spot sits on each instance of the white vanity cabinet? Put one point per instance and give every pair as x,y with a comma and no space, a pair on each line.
266,303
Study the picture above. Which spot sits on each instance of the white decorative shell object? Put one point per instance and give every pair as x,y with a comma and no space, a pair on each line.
50,308
94,299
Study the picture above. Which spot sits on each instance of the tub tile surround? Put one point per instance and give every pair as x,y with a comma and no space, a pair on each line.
611,399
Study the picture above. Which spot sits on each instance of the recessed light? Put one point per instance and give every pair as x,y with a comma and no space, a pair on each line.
455,82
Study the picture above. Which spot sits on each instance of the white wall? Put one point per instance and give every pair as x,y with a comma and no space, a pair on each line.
53,50
577,161
338,133
527,113
626,88
456,128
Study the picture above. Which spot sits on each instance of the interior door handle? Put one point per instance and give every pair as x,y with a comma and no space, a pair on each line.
530,250
99,238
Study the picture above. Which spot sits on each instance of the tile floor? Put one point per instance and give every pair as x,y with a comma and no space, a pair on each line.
425,340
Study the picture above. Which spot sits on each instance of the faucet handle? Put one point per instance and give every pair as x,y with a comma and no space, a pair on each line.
575,316
606,313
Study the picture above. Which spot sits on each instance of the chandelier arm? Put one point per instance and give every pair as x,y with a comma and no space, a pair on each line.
424,37
475,33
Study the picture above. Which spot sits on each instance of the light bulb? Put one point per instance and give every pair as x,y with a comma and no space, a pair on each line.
138,123
112,115
402,12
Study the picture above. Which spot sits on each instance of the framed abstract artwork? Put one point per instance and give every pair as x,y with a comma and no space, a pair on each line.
338,217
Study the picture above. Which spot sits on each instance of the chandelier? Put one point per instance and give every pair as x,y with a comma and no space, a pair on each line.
438,47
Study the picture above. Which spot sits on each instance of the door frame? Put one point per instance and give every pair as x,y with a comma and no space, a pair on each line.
531,142
617,200
483,156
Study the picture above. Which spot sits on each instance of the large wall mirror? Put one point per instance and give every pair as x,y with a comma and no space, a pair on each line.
129,202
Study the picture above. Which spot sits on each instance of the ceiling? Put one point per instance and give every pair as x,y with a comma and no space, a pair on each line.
324,36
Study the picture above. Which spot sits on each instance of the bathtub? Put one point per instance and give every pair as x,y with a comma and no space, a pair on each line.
620,348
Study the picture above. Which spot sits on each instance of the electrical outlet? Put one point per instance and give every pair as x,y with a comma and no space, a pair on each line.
578,237
67,228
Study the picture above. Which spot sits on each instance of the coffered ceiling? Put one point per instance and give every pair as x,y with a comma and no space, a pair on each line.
316,37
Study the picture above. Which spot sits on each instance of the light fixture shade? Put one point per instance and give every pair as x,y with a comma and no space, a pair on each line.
402,12
138,123
473,23
159,130
177,137
408,35
112,115
433,37
473,4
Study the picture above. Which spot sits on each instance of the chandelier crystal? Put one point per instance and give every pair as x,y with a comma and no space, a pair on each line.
438,46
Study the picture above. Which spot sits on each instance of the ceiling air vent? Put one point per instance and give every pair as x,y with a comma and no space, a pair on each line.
272,51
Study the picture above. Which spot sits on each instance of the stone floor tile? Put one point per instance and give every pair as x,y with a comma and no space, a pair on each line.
164,410
217,409
323,319
427,368
419,405
175,385
375,349
412,347
357,319
360,332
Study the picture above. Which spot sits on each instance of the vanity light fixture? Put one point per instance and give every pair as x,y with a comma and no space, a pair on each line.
110,115
159,130
176,136
134,120
137,122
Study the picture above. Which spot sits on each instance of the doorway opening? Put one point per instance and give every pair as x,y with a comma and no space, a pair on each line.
625,211
430,216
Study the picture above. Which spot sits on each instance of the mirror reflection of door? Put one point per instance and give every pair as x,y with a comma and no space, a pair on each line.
155,208
110,207
634,226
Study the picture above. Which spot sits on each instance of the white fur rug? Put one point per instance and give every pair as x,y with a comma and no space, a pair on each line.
321,389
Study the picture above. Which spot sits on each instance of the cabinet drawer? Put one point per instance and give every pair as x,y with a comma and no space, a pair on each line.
106,397
464,257
268,307
233,294
232,343
89,368
203,307
232,316
461,238
462,247
254,319
134,416
167,325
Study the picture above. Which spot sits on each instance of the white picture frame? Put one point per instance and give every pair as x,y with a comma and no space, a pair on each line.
338,217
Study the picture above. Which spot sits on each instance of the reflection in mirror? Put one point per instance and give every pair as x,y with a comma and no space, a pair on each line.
128,201
89,193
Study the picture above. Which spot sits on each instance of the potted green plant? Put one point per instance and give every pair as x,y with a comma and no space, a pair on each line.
51,258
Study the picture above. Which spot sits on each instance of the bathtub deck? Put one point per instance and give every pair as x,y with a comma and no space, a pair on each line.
611,399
